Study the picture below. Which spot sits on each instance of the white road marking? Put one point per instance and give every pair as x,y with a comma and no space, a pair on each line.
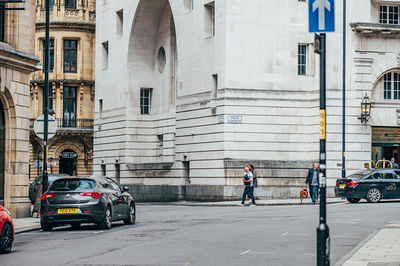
244,252
261,252
285,233
296,234
38,233
343,236
85,232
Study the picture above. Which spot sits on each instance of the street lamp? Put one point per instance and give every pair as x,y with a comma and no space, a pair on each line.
365,109
46,96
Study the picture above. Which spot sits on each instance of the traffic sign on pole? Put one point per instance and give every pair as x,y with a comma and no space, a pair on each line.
321,15
38,126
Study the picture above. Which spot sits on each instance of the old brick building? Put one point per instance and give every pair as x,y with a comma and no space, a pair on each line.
71,83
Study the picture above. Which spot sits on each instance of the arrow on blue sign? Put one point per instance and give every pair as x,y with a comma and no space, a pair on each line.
321,15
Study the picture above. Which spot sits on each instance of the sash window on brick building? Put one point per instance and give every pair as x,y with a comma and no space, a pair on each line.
70,56
70,4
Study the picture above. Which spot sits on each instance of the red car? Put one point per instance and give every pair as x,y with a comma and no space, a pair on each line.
6,230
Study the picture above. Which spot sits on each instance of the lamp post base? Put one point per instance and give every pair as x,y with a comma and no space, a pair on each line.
323,245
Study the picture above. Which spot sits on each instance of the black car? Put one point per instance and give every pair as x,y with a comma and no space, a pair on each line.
96,200
35,185
372,185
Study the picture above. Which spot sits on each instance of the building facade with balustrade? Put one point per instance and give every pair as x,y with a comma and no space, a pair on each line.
71,86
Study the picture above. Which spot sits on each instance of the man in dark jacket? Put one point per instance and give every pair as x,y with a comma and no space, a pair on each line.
313,181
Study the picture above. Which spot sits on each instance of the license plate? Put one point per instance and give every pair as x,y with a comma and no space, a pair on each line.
74,210
342,185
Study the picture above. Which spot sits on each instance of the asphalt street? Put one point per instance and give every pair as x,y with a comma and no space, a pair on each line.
181,235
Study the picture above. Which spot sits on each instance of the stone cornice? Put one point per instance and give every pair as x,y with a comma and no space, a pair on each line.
18,60
68,26
378,29
64,81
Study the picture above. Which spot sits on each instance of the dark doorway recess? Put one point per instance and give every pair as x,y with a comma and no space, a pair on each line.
68,159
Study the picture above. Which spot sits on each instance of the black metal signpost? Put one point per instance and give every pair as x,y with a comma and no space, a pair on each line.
321,18
46,97
323,239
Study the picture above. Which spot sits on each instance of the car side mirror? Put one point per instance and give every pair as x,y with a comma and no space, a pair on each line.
125,188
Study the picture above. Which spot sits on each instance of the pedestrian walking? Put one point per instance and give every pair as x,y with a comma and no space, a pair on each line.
255,182
313,181
394,164
248,187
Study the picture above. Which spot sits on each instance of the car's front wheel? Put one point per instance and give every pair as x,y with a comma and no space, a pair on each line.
353,200
374,195
131,215
6,239
107,220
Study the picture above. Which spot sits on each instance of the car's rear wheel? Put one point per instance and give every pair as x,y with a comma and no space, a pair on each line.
107,220
46,227
374,195
6,239
131,219
75,225
353,200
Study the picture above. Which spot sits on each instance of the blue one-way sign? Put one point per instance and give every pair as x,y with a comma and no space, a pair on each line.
321,15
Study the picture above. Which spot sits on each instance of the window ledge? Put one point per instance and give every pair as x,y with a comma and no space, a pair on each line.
388,103
368,29
149,166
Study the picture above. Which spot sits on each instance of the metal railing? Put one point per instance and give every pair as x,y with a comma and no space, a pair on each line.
75,123
65,124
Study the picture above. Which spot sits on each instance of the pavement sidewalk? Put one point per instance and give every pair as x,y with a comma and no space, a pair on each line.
270,202
28,224
380,248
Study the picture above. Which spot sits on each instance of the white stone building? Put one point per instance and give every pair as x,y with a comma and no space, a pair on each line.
190,91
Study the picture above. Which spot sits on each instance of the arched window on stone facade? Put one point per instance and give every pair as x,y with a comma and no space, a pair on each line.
388,86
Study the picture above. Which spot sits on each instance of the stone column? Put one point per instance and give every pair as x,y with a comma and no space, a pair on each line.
60,106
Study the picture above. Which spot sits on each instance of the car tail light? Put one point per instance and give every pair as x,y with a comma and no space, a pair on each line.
94,195
352,184
48,195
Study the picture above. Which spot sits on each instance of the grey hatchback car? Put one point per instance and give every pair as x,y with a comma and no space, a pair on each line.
97,200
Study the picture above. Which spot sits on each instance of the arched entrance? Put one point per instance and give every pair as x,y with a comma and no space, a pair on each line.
152,57
2,151
385,117
67,162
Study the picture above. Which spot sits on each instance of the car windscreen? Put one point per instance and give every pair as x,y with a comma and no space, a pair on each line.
358,175
55,177
73,185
